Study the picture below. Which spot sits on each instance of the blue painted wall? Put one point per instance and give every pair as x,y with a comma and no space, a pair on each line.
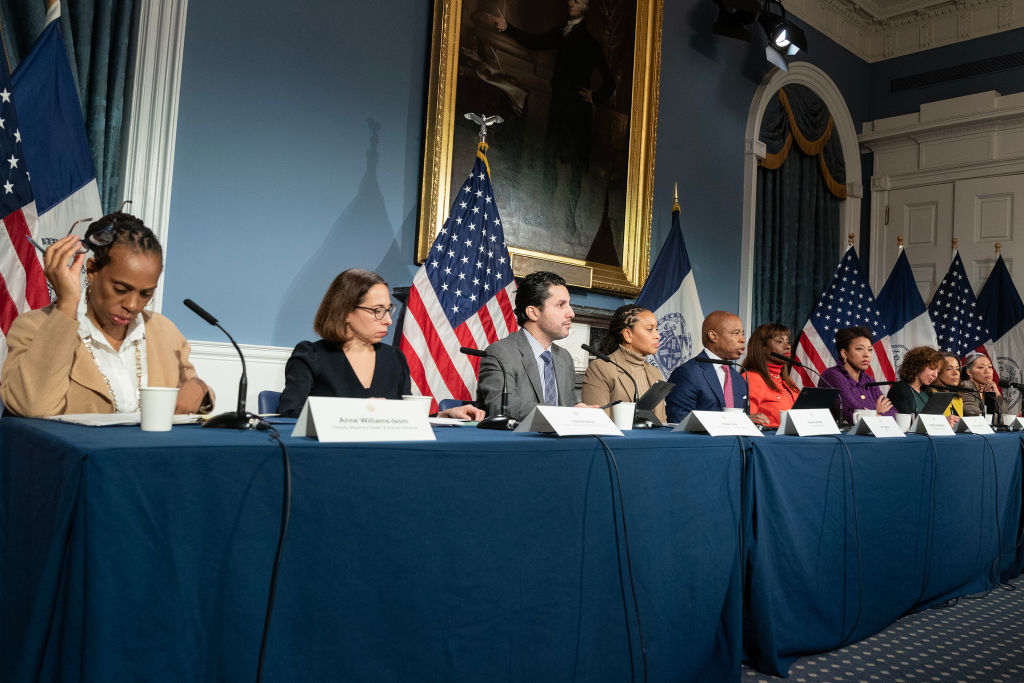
300,135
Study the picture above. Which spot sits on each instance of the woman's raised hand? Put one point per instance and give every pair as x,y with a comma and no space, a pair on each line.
62,265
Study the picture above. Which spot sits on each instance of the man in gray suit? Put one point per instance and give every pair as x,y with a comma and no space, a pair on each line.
539,372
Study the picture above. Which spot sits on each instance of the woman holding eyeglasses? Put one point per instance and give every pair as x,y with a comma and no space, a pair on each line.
93,353
350,360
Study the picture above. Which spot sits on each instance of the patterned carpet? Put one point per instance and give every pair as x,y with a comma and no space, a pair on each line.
980,638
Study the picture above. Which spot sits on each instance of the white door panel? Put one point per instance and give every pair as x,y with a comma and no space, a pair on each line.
989,211
923,216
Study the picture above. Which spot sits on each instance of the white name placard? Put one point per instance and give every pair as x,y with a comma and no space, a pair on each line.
807,422
975,424
882,426
933,425
718,424
1016,424
330,419
569,421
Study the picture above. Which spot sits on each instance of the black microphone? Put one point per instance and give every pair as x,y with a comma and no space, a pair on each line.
945,387
1007,384
788,360
238,419
716,361
720,361
879,384
501,420
639,422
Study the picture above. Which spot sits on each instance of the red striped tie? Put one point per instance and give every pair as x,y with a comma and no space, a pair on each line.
727,388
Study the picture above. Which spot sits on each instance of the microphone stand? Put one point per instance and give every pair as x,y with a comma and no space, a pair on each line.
796,363
238,419
638,421
746,397
501,421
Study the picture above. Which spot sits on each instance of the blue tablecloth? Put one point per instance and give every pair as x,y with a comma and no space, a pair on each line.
478,557
846,535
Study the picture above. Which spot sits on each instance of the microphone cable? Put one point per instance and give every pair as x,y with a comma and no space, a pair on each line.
930,537
286,507
845,636
996,574
613,466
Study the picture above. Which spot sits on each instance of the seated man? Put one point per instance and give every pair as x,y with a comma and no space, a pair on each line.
539,372
702,386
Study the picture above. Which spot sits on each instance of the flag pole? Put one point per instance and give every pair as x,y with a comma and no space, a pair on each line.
956,241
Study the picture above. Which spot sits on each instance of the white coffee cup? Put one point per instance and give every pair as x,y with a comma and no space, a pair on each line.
424,402
622,415
158,408
864,412
904,420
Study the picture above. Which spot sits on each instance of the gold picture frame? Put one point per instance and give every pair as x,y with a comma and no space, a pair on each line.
460,34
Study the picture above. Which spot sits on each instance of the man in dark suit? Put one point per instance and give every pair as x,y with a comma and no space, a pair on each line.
539,372
701,386
571,113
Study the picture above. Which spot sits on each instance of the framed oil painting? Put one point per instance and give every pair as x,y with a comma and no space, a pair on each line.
572,164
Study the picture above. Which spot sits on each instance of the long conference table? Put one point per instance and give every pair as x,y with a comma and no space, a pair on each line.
481,556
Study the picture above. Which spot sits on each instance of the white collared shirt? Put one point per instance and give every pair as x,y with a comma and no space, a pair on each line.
569,26
119,367
719,369
537,350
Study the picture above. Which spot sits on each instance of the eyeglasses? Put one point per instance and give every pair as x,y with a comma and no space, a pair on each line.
43,249
99,237
378,312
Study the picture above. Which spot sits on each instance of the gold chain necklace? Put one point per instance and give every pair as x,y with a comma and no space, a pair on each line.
138,374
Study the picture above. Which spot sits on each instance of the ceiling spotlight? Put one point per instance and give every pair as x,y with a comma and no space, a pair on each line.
734,16
783,35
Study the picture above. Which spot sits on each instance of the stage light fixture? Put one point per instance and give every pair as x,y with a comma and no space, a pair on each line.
783,35
734,16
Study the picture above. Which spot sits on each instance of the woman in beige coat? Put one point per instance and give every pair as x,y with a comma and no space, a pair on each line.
93,355
632,336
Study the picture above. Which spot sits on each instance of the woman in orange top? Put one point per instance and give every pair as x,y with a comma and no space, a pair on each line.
770,389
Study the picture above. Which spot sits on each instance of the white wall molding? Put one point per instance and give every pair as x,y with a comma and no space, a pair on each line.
964,143
949,140
803,73
218,365
881,30
153,117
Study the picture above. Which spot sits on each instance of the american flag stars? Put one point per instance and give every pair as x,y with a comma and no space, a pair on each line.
460,244
959,327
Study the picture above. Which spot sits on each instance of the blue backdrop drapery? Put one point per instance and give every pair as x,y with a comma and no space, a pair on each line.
99,38
800,185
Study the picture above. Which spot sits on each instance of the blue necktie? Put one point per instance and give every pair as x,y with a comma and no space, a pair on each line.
550,389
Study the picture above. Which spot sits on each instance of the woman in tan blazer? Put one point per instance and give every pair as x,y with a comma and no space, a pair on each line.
632,336
93,354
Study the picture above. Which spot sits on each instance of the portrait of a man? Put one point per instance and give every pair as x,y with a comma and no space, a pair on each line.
560,75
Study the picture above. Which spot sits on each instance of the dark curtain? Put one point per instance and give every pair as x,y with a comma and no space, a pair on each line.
98,36
800,185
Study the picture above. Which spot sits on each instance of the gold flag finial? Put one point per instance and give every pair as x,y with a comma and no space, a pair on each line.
849,240
999,247
899,241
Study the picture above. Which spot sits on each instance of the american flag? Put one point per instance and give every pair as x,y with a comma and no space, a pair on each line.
959,325
22,283
846,302
462,295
